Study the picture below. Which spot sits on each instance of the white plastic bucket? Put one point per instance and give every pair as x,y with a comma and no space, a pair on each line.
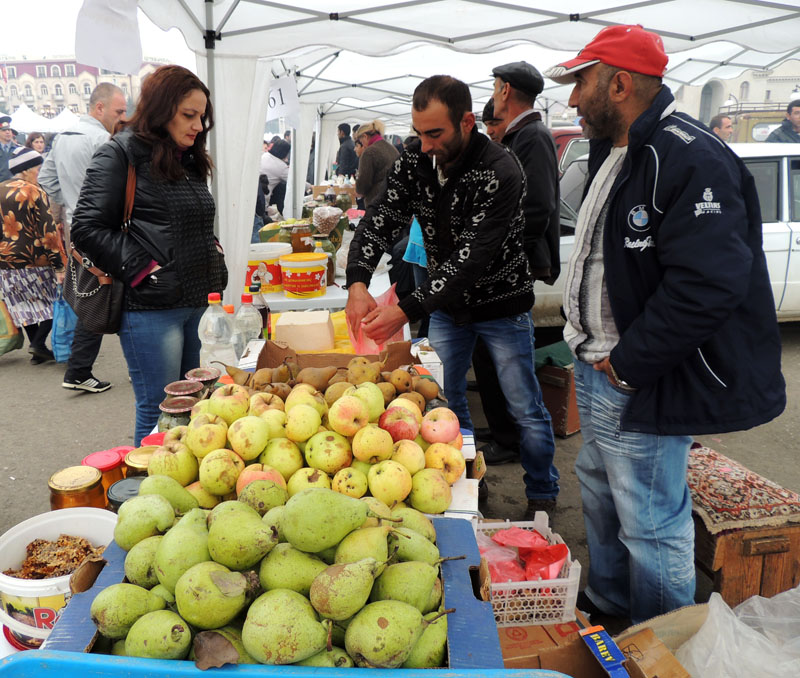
40,601
303,274
263,265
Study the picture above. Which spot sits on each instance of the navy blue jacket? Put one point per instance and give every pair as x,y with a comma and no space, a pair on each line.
687,281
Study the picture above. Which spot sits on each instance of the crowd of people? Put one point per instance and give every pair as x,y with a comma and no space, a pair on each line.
667,342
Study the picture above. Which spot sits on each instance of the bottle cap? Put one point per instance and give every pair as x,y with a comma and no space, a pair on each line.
214,298
228,308
247,298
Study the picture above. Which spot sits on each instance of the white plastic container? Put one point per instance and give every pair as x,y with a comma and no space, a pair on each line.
304,274
40,601
263,265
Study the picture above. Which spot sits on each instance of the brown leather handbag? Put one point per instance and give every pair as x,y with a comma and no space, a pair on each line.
95,296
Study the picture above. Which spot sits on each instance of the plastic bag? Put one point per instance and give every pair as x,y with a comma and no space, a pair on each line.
726,647
362,344
64,321
503,563
516,536
325,218
544,563
10,336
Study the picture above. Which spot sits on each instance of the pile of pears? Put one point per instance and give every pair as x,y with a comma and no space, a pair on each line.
320,579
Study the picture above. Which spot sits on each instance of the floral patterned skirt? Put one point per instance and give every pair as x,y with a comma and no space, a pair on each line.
29,293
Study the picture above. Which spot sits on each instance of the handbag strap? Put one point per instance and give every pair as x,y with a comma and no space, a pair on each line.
130,191
102,277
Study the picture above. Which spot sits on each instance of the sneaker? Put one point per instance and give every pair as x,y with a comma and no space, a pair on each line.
91,385
493,454
546,505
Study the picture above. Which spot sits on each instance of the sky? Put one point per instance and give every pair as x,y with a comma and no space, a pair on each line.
46,28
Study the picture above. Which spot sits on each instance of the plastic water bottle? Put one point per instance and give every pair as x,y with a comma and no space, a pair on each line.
262,307
246,325
215,332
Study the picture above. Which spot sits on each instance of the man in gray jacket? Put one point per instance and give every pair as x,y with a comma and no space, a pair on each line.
61,177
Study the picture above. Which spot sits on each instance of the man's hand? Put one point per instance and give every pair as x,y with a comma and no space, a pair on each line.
382,322
605,366
359,303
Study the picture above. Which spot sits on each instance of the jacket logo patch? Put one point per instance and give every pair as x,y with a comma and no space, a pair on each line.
708,206
683,135
640,244
638,219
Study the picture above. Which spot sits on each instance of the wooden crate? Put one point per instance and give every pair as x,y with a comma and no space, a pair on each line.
750,561
558,393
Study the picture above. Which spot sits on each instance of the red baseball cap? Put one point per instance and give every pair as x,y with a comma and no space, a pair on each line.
628,47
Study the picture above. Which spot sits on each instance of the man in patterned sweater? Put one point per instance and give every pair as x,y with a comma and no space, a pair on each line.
466,193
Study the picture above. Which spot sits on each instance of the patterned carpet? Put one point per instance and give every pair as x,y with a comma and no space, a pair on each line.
728,496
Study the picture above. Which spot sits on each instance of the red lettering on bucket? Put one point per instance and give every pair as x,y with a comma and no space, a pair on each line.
44,617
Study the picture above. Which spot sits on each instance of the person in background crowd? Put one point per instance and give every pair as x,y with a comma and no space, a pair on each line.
789,130
7,146
35,140
346,158
275,170
311,160
62,177
466,193
722,126
287,136
169,259
668,340
375,162
495,126
30,256
516,87
408,140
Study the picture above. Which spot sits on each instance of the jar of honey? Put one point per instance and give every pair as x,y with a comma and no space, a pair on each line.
302,240
76,486
137,459
108,463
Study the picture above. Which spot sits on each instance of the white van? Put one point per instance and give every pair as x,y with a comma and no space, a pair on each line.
776,169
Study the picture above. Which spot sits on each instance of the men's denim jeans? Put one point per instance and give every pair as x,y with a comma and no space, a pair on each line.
159,347
511,344
636,507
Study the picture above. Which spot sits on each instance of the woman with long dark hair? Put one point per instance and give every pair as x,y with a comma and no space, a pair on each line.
168,257
36,141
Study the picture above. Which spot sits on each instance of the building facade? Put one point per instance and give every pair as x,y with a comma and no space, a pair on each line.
47,86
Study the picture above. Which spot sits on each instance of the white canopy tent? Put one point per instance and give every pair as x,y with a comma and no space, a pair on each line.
239,42
24,120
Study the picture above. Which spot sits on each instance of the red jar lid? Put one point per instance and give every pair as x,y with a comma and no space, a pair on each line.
122,450
103,461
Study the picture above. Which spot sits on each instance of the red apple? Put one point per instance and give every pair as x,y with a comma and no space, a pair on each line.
347,415
440,425
400,423
258,472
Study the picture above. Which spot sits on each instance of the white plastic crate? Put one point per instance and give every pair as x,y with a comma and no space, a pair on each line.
548,601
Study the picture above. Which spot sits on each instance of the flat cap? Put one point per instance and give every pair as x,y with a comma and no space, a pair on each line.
522,76
488,112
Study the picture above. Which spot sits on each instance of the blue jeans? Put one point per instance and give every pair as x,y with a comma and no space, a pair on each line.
636,507
511,344
159,347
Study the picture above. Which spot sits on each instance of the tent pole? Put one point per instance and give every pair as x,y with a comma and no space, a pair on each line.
210,38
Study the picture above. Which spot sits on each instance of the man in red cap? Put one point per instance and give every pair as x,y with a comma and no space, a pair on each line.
670,317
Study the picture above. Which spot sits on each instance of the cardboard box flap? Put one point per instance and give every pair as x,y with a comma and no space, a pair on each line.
651,655
674,628
396,354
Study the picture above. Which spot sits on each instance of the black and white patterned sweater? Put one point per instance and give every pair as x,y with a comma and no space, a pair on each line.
472,227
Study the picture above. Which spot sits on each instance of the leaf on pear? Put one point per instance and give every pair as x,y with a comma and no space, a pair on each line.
212,649
230,584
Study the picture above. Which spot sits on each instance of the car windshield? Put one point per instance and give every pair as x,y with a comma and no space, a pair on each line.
572,182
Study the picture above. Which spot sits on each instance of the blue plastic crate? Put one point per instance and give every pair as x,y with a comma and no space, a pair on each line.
473,643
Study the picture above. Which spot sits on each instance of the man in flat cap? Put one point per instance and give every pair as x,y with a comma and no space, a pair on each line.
7,146
670,318
516,86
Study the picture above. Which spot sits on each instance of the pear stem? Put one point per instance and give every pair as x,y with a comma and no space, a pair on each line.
439,616
329,645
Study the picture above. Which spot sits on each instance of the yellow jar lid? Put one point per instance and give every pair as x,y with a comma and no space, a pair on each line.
140,456
302,257
74,479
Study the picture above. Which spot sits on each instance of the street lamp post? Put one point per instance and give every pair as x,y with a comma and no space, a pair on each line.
731,101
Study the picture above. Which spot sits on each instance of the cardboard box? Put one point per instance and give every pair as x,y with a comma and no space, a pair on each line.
273,353
558,393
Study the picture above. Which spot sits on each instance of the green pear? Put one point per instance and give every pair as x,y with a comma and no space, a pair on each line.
429,651
272,519
318,518
142,517
282,628
208,595
380,511
262,495
184,545
117,607
118,648
230,506
412,545
159,635
415,520
335,658
284,567
411,582
163,592
436,596
181,499
218,647
339,591
140,566
365,542
328,555
239,540
383,634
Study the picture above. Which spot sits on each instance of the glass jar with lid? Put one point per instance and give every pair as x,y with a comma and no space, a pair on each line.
285,234
137,459
302,241
76,486
109,464
123,490
176,411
